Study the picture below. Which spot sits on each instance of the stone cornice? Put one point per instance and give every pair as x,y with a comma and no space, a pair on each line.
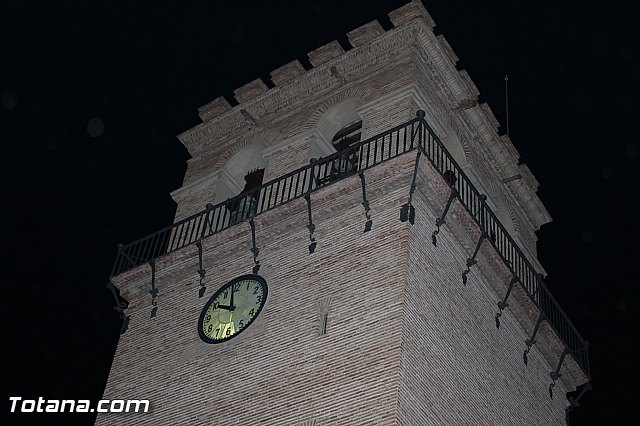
493,158
499,153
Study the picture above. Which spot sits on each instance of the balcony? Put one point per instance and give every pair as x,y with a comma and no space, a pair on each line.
411,136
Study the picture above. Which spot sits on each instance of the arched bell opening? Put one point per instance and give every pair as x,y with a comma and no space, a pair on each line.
241,175
504,216
245,204
454,146
340,129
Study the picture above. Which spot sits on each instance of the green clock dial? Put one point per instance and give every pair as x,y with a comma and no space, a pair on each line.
232,308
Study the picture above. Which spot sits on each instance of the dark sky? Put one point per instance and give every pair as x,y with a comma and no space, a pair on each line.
93,94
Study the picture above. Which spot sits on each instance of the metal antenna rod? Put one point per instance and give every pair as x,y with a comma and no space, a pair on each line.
506,98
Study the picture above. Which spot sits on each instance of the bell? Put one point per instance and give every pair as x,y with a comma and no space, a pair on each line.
450,177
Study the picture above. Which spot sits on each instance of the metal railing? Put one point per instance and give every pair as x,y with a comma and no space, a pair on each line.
505,246
293,185
415,134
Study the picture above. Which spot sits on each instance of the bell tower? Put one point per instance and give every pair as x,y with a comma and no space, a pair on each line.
350,248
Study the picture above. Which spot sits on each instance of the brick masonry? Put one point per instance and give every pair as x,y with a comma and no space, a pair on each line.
406,61
457,368
280,371
406,342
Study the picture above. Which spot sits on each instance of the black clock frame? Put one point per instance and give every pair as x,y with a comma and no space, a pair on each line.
254,277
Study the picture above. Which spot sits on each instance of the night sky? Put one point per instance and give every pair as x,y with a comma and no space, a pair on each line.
93,94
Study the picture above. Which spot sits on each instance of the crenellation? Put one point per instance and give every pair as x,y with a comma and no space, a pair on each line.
446,48
365,33
490,117
287,72
432,66
324,54
469,84
480,150
528,177
250,90
409,12
501,160
510,149
365,61
535,210
214,108
311,83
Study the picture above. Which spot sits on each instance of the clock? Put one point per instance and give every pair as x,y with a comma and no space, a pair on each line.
232,308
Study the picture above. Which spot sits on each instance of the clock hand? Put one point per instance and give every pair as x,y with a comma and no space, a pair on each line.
232,291
228,308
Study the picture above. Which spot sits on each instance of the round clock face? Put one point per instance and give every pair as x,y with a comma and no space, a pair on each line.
232,308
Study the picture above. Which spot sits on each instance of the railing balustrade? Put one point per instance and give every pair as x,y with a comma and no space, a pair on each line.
415,134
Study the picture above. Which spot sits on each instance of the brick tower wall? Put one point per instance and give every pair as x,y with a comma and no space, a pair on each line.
280,370
457,368
406,343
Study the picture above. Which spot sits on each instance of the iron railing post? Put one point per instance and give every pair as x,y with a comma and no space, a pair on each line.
207,215
421,114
